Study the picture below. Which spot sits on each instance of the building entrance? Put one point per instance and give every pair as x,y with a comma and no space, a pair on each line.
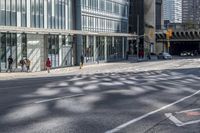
8,47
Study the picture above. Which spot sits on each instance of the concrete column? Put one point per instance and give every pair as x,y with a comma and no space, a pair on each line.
0,53
95,48
42,47
45,14
7,55
106,49
60,51
28,15
123,48
19,47
14,56
78,26
87,41
113,41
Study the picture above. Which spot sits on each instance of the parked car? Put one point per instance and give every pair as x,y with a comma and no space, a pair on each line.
164,56
187,53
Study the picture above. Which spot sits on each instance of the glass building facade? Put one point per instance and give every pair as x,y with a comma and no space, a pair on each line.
61,15
110,16
39,14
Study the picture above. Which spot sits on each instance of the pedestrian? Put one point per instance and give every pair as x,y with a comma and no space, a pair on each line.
22,63
127,54
10,62
48,65
82,61
142,54
28,63
149,56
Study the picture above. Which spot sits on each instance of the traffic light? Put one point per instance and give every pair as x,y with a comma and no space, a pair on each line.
169,33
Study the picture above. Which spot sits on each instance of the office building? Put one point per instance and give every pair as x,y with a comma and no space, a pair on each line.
172,11
142,21
41,29
191,11
159,12
103,16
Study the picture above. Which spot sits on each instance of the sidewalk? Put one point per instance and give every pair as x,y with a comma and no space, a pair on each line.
58,71
134,59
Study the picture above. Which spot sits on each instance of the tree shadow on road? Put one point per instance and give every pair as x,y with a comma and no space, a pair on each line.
108,100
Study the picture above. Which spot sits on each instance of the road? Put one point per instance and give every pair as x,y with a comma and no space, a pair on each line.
145,97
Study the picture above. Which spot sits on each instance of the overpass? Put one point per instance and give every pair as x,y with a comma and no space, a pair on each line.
185,37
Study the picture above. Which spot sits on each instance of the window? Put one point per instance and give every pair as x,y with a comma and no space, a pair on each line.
7,5
63,14
33,13
8,13
37,13
116,8
13,13
108,6
2,12
23,15
49,10
3,47
41,13
102,5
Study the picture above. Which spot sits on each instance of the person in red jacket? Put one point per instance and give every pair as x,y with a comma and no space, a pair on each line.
48,65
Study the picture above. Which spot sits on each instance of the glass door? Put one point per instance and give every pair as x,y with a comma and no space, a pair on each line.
2,51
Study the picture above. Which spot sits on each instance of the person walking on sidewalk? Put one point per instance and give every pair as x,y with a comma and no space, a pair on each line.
48,65
82,61
22,63
28,63
127,54
10,62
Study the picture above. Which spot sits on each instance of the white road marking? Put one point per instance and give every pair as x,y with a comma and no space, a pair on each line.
58,98
174,119
191,110
120,127
178,122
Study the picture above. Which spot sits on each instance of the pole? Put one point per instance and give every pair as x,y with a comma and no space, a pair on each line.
0,53
0,59
137,40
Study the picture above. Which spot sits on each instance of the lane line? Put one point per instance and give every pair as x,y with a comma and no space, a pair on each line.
120,127
58,98
184,111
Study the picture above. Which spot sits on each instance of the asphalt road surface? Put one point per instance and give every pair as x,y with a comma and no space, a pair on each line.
146,97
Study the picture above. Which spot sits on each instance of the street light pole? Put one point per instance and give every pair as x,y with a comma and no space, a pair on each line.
0,54
0,59
138,34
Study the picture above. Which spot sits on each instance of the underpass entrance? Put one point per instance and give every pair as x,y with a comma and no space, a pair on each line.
178,48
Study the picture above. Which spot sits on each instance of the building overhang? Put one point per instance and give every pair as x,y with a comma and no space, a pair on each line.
13,29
